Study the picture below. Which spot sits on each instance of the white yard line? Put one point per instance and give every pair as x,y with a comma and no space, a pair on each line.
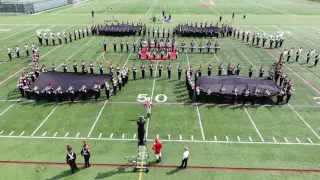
285,139
44,133
111,135
78,134
123,136
212,9
134,136
169,136
95,122
151,7
1,132
18,32
191,137
22,133
238,138
72,7
100,135
227,138
274,140
250,138
66,134
5,80
157,136
11,133
298,140
271,8
185,7
254,125
45,119
55,134
9,107
305,122
77,51
310,140
215,138
180,137
200,122
164,140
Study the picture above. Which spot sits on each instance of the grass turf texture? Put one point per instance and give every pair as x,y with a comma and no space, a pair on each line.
113,130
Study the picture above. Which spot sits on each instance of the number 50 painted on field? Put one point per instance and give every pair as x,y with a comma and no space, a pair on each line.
144,98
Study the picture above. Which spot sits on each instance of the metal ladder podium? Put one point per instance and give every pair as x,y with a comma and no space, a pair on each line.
142,159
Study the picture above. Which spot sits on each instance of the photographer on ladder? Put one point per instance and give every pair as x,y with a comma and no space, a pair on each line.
140,122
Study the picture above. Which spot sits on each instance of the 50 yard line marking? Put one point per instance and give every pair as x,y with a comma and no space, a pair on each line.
95,122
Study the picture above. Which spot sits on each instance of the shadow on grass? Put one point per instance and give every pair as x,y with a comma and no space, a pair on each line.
63,174
119,170
173,171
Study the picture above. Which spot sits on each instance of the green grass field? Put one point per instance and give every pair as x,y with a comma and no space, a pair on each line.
232,142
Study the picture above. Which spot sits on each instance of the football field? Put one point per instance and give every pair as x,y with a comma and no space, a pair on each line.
225,141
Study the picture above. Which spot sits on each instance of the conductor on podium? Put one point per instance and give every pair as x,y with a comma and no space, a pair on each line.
140,122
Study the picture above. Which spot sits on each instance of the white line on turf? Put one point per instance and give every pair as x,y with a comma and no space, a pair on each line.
310,140
274,139
1,132
66,134
169,136
305,122
200,122
18,32
76,51
122,136
95,122
157,136
22,133
192,137
55,134
41,124
100,135
11,133
9,107
250,139
238,138
298,140
185,7
1,82
286,139
111,135
151,7
268,7
78,134
180,137
215,138
213,9
164,140
72,7
44,133
134,136
254,125
227,138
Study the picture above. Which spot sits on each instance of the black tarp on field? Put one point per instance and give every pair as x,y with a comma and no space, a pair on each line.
74,79
215,82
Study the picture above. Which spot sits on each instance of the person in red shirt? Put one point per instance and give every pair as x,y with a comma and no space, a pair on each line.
157,146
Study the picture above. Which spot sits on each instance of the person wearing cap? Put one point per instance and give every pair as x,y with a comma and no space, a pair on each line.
185,156
71,159
86,154
157,146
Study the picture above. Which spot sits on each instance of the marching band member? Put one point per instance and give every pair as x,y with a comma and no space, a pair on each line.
64,65
148,105
9,53
266,94
107,89
52,38
255,94
53,67
58,92
83,91
96,89
75,66
289,54
261,71
298,52
235,92
245,95
70,91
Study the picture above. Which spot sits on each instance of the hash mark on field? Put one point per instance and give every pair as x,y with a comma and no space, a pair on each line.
123,136
157,136
55,134
111,135
286,139
215,138
11,133
298,140
180,137
191,137
274,139
227,138
66,134
1,132
238,138
310,140
22,133
100,135
134,136
78,134
250,139
169,136
44,133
